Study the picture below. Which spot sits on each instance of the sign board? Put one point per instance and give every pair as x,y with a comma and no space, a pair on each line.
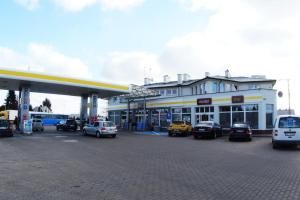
205,101
237,99
27,126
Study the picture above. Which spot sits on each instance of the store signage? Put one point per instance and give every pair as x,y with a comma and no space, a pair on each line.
237,99
206,101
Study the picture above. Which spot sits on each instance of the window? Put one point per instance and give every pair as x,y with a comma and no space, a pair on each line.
289,122
269,115
174,91
169,92
239,113
225,119
204,113
162,92
222,87
214,87
181,114
225,109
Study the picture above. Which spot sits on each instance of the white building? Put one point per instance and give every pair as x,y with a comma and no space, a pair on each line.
223,99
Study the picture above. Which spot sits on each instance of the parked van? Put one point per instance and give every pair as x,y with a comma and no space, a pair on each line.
286,130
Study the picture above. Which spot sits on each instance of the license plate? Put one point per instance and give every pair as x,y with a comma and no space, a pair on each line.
289,133
240,131
201,129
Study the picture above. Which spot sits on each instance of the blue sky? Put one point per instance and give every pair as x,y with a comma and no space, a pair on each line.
93,31
122,41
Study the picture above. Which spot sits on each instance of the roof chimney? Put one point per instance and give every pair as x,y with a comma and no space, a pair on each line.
227,74
207,74
166,78
179,78
186,77
148,81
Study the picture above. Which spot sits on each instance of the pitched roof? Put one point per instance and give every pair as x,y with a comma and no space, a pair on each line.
240,79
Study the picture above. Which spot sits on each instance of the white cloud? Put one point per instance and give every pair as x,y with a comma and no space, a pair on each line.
248,37
130,67
75,5
28,4
78,5
120,4
46,59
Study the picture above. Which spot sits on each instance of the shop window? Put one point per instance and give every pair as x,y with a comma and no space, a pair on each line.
237,117
202,109
237,108
251,107
225,109
269,116
176,117
176,110
186,110
252,119
225,120
186,117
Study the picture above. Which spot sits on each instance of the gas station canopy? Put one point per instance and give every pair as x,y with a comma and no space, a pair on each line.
42,83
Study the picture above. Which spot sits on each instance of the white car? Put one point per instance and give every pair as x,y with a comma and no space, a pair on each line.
100,128
286,130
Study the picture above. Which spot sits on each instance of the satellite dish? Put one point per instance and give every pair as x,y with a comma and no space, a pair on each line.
280,94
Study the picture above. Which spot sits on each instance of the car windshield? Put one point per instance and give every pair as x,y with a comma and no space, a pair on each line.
108,124
289,122
70,121
205,123
240,126
4,123
178,122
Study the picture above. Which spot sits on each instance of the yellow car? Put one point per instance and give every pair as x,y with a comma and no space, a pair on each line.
180,128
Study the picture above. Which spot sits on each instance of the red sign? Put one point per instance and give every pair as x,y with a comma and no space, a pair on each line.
206,101
237,99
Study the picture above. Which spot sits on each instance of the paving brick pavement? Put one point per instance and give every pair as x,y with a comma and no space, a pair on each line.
142,167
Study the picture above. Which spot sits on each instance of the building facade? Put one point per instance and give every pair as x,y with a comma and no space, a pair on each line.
223,99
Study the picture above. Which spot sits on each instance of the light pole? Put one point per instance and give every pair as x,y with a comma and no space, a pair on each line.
289,93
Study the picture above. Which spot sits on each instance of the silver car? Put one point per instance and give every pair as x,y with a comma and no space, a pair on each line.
37,125
100,128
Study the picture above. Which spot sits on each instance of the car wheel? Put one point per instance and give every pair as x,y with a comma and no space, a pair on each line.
275,146
214,136
114,136
250,139
97,134
196,137
84,132
230,139
170,134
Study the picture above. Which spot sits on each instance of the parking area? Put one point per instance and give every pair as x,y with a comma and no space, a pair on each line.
69,166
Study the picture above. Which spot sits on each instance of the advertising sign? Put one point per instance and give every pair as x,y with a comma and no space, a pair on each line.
237,99
27,126
205,101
